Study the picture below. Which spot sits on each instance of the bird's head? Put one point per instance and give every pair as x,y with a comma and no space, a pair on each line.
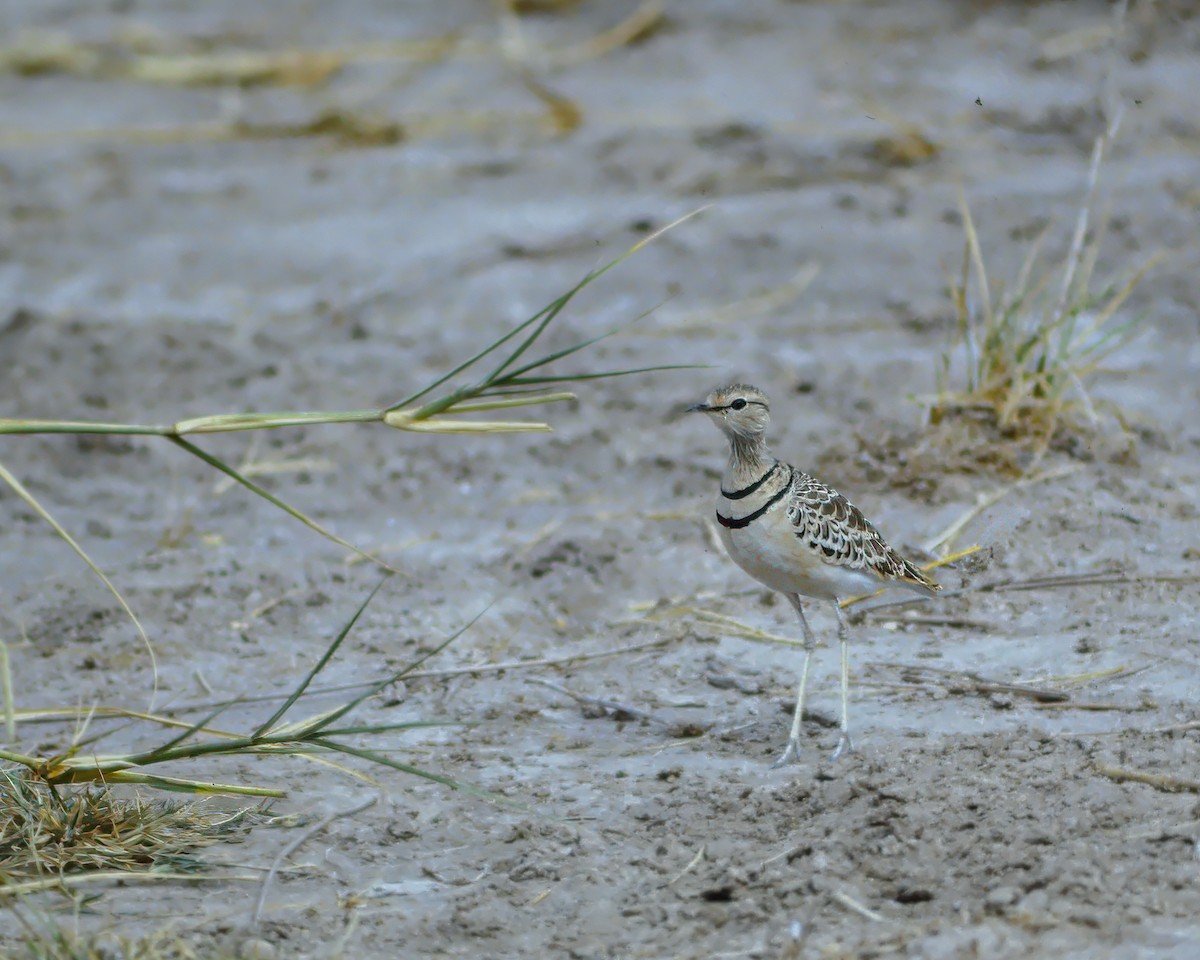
738,409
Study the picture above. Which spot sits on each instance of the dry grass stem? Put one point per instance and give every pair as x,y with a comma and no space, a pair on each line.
1160,781
967,682
926,567
692,864
618,711
847,901
58,714
760,303
165,61
985,501
6,690
295,845
728,625
639,25
1091,676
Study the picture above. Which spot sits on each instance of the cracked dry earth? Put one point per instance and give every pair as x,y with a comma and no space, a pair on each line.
151,278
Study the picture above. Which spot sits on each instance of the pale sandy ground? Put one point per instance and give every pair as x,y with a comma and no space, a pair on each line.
148,281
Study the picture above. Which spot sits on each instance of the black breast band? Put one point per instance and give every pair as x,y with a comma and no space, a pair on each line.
737,523
746,491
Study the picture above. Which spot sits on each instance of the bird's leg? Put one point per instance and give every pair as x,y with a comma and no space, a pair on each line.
845,744
792,751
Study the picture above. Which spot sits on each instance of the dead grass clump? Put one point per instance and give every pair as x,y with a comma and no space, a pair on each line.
43,939
1018,363
43,836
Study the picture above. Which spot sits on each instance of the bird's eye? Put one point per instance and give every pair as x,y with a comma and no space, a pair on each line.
738,404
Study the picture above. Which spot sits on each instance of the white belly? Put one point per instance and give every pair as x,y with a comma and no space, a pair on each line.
769,550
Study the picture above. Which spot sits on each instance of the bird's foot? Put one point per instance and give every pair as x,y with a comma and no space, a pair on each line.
845,746
790,755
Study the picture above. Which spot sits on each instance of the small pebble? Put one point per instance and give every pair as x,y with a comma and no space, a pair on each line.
999,897
257,949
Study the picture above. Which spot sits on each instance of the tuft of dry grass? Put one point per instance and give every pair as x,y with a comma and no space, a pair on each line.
41,836
1021,361
44,939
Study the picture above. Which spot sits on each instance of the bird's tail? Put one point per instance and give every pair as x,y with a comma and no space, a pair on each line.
916,579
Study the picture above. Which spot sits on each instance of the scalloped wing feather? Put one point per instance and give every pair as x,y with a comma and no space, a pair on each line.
836,529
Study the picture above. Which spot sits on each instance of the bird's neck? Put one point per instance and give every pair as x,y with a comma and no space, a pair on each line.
749,458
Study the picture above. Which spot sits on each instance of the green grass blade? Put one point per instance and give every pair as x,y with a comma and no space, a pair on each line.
253,487
495,344
393,727
551,312
162,751
324,721
10,426
539,321
378,758
550,358
320,664
606,374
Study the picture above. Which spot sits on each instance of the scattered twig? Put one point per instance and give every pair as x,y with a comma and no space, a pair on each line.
926,567
791,849
1091,676
1098,707
959,623
847,901
1074,580
1041,583
470,669
1124,731
690,867
619,711
296,845
967,681
1159,781
540,897
460,882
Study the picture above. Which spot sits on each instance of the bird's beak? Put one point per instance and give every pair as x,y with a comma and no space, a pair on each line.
698,408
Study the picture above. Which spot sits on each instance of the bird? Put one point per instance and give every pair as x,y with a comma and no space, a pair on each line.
796,535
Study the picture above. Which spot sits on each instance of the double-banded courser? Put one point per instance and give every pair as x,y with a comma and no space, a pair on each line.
794,534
